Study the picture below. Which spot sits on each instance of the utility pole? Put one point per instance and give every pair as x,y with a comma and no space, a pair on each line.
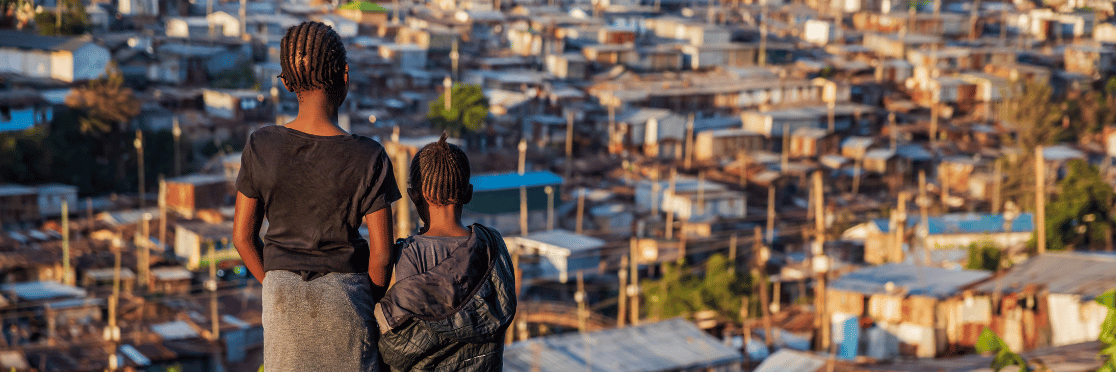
522,188
447,84
759,271
112,331
997,181
858,163
1040,200
690,142
743,170
821,266
569,144
580,210
580,298
732,250
701,193
67,276
771,213
139,153
509,336
176,131
622,305
215,320
900,232
455,55
763,34
549,208
208,11
633,276
786,149
143,253
893,130
162,213
924,214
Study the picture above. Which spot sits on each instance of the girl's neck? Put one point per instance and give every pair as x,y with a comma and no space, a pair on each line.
445,220
316,116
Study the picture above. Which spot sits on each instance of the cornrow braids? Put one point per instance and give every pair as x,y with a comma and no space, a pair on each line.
440,171
312,56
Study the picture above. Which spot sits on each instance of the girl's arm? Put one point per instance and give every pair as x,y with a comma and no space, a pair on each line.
380,237
246,234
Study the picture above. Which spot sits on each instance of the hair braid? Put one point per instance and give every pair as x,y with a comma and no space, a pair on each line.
312,57
440,171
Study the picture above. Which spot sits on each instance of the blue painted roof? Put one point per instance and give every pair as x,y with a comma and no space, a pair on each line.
922,281
505,181
967,223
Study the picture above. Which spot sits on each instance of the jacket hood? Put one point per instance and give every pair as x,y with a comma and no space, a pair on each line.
468,297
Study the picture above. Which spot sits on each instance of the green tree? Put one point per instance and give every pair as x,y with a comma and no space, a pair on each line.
1037,120
106,110
984,255
1081,215
74,20
1108,331
990,343
468,110
680,292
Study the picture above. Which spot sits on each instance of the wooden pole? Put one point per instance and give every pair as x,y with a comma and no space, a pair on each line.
215,319
580,210
759,271
67,276
633,276
580,298
1040,200
997,182
143,251
621,311
139,159
549,208
176,132
522,189
690,142
162,213
701,193
832,105
857,165
743,170
771,213
509,336
819,206
785,159
569,144
763,34
732,250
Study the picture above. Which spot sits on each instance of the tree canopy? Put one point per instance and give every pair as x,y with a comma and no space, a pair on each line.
680,292
1081,215
468,110
74,20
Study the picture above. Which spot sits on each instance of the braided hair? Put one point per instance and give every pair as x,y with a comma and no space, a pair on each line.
312,57
440,171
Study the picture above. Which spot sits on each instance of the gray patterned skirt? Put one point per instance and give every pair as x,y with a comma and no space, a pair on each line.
325,324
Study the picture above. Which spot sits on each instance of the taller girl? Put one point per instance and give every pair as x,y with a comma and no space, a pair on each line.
315,184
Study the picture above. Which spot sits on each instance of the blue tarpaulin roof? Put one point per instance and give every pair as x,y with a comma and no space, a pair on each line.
506,181
922,281
967,223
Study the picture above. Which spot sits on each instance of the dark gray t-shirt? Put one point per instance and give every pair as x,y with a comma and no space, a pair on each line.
421,253
315,191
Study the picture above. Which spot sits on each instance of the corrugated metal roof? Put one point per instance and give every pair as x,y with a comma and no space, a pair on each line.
791,361
922,281
38,291
1083,274
664,346
174,330
506,181
562,239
